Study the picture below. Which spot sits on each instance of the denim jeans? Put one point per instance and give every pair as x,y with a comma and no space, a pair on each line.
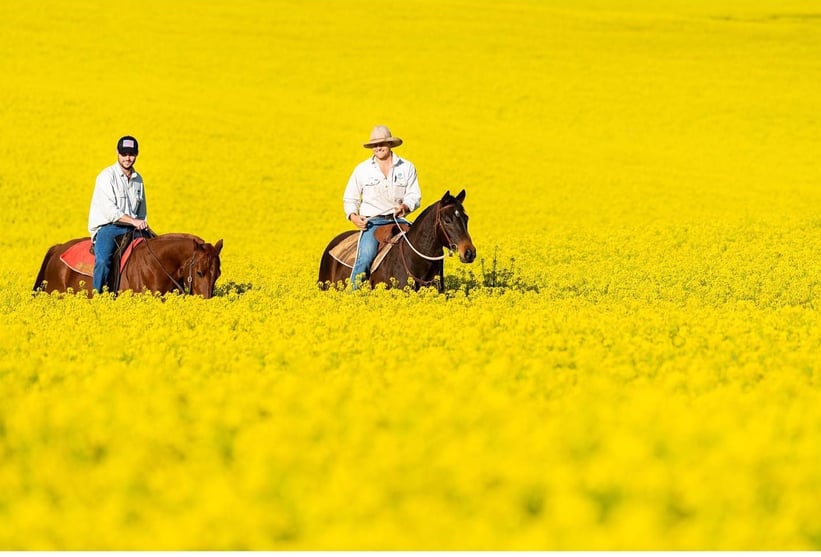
104,246
368,246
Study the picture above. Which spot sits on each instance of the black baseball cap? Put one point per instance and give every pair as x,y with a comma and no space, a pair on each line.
127,145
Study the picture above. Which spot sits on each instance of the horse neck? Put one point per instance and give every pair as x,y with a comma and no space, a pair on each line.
175,249
424,234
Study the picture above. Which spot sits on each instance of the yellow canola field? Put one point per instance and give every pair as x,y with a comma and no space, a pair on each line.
631,362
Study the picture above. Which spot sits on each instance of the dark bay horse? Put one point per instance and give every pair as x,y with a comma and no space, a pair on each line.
418,254
164,263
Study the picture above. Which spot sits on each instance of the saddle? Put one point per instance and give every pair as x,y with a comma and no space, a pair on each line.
80,257
387,235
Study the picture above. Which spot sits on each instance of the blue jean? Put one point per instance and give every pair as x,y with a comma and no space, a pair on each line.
368,246
104,246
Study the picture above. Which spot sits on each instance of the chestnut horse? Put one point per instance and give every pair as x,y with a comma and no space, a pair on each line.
162,264
418,254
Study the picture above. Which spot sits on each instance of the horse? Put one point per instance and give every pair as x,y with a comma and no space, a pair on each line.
418,255
160,264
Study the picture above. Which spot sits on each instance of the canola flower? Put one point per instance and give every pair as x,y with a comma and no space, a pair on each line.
630,363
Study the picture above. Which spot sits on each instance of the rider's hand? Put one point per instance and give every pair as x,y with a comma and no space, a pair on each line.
401,211
359,221
138,224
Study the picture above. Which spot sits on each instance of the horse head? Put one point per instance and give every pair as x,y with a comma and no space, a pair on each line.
453,226
204,269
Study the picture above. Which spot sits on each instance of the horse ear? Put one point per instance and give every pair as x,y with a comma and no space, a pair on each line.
446,196
218,246
461,196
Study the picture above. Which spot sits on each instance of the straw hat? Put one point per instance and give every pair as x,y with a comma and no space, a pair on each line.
381,134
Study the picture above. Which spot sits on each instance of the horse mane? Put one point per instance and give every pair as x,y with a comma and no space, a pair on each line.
180,236
429,209
425,211
445,202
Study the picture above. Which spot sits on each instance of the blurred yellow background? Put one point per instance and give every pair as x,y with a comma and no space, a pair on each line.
645,174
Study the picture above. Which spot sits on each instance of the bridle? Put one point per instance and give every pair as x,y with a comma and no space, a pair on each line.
404,235
190,264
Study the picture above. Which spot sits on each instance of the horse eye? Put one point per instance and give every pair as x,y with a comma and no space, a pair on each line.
200,274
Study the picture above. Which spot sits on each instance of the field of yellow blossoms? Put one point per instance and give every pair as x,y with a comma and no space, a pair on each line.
632,362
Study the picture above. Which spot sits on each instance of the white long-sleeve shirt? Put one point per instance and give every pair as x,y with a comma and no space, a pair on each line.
116,195
370,193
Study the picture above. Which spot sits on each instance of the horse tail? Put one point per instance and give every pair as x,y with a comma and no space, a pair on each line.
41,276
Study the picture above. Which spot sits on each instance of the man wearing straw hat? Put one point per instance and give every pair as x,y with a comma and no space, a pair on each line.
381,189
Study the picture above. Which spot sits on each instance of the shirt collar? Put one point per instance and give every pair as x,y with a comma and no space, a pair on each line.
118,169
396,160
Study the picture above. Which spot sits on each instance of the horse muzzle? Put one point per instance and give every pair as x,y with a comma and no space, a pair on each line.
467,254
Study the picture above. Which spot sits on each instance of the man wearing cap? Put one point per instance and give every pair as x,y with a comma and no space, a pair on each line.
382,188
117,206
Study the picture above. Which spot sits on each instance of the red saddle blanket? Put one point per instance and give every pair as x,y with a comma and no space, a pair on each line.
81,260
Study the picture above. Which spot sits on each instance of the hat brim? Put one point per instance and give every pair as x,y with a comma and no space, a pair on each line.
392,141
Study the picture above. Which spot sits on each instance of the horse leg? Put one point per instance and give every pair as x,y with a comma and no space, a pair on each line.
393,272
